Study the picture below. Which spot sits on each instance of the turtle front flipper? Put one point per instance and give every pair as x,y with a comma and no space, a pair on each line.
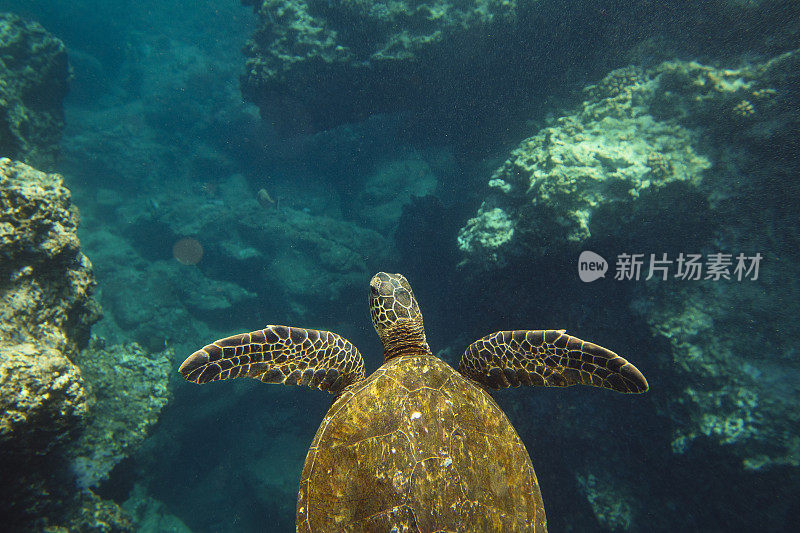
279,354
548,358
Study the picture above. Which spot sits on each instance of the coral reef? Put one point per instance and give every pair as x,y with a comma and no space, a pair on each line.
487,232
639,131
612,510
87,512
129,389
734,394
314,64
611,154
256,263
34,73
386,49
731,392
749,108
46,309
69,412
724,138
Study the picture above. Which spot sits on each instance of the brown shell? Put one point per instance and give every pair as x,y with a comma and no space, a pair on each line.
417,447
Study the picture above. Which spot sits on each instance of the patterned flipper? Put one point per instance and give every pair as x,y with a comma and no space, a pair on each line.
279,354
547,358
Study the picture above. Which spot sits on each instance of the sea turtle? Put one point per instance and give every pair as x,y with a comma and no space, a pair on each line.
416,446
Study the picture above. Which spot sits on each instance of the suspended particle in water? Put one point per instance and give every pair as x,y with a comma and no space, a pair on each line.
188,251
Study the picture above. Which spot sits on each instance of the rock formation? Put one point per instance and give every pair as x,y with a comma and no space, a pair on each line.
70,412
34,73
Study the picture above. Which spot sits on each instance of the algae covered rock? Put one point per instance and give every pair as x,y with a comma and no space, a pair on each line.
724,141
487,232
129,388
751,104
736,389
609,158
612,506
34,73
731,341
60,399
474,66
286,257
639,147
46,309
313,64
43,397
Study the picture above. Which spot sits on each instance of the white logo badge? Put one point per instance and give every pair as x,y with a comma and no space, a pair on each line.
591,266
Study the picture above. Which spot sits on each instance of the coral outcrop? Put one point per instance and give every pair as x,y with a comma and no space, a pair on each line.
360,56
34,74
69,412
257,262
611,154
730,340
46,309
613,510
638,132
648,151
474,65
129,389
736,388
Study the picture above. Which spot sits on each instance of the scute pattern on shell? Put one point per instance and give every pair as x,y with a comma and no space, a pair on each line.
417,447
279,354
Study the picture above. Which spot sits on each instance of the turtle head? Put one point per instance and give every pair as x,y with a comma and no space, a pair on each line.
396,316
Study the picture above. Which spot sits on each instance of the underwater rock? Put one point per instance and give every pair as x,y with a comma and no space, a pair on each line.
392,186
475,69
640,144
735,374
326,258
148,295
608,159
46,309
728,392
612,507
285,258
150,514
314,64
129,389
751,103
92,514
34,74
69,413
488,231
730,340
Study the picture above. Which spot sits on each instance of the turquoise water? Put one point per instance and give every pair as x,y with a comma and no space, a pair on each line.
242,165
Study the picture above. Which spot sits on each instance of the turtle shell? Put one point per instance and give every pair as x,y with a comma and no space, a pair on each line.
417,447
